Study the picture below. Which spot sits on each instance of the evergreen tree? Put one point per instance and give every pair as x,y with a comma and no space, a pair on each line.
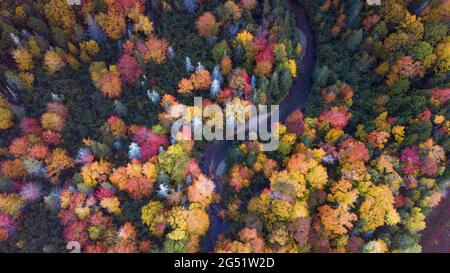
100,149
354,40
190,5
254,82
216,75
199,67
238,54
94,31
321,76
120,109
286,81
134,151
274,88
266,8
220,49
153,96
287,22
352,18
188,66
171,53
233,30
263,83
215,88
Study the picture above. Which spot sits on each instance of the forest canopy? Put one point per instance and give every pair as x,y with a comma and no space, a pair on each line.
88,92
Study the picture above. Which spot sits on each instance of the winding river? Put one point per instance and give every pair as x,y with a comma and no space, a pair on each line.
212,163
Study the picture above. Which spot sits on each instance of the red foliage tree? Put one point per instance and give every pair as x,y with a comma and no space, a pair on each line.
352,151
30,126
411,159
139,187
111,85
149,142
335,117
129,68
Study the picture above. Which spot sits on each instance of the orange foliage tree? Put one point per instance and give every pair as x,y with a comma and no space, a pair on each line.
57,162
338,220
110,85
207,25
201,191
155,50
201,79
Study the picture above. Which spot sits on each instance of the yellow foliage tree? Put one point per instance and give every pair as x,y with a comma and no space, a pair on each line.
52,121
96,172
377,208
152,215
34,46
243,38
23,58
197,221
416,220
333,135
342,192
60,13
97,69
53,62
141,23
112,23
58,161
88,50
292,184
11,203
317,177
443,57
112,204
292,66
399,133
27,79
6,116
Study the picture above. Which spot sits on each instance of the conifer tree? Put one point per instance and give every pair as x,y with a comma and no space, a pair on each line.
188,66
94,31
190,5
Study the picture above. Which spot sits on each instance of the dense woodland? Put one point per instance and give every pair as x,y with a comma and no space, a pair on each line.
88,93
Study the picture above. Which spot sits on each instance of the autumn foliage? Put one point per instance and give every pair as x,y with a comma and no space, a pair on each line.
207,25
90,93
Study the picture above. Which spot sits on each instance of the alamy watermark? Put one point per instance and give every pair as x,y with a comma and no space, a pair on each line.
235,122
373,2
74,2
